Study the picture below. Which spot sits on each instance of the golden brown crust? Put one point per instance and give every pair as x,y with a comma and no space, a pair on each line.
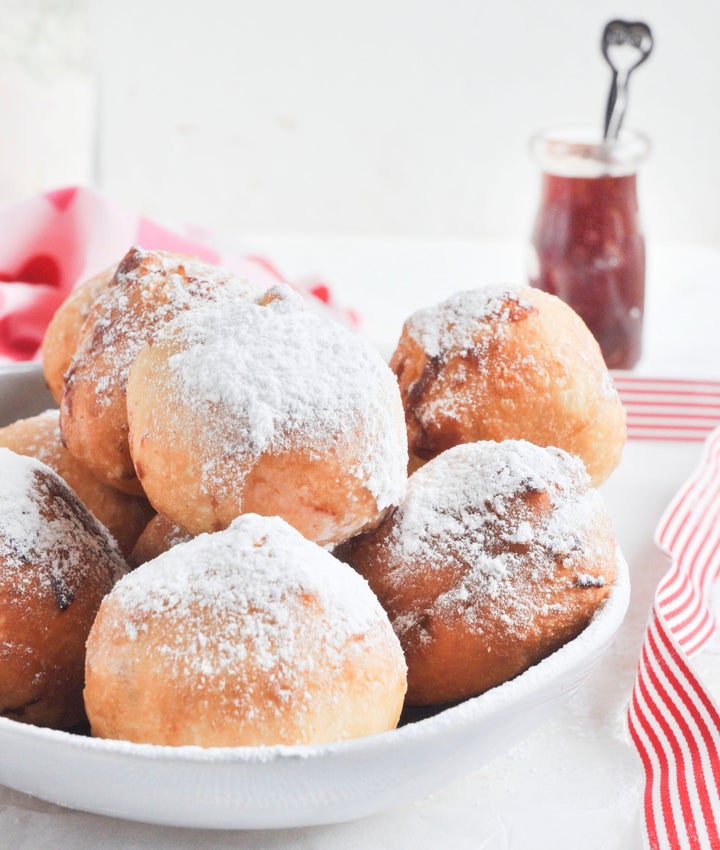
149,709
532,371
297,485
245,646
61,336
159,535
204,457
124,516
148,289
51,584
480,583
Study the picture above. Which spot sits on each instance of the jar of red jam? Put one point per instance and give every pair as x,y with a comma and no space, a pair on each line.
587,244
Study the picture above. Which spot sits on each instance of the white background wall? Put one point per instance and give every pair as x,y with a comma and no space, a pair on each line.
389,116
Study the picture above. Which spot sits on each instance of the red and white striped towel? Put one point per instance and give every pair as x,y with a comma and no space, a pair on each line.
673,720
669,408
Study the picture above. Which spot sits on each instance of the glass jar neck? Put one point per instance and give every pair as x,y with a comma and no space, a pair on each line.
580,152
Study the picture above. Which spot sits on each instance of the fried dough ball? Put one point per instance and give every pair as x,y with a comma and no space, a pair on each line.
148,289
266,409
56,564
159,535
507,363
61,337
499,554
250,636
124,516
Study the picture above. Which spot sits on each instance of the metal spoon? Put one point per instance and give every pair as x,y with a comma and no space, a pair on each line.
625,45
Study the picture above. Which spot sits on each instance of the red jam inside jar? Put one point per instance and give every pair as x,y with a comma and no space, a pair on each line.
589,249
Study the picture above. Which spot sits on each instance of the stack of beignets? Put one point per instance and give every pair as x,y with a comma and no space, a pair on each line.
257,429
272,409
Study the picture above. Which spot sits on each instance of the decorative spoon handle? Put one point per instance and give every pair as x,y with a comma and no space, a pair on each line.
625,45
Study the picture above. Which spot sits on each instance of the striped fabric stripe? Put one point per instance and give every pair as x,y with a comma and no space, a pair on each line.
674,723
669,409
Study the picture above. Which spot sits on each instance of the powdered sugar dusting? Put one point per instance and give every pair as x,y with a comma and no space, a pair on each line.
149,289
471,506
587,580
245,595
607,386
284,377
48,540
456,323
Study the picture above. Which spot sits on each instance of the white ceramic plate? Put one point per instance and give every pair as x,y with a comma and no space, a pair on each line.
269,787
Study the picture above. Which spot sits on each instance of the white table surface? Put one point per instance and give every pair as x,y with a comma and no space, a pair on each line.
576,782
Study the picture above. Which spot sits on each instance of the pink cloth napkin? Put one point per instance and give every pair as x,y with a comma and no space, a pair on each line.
52,242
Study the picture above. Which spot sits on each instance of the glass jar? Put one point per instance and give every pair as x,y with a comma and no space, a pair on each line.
47,97
587,244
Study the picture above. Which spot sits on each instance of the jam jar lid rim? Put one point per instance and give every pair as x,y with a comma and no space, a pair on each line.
559,146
